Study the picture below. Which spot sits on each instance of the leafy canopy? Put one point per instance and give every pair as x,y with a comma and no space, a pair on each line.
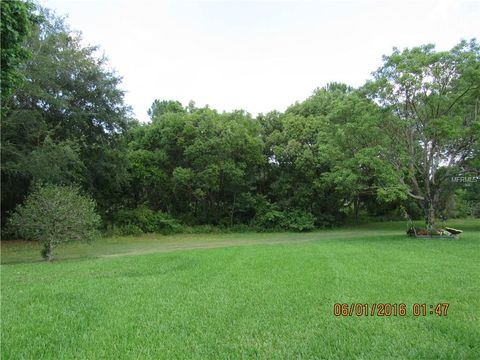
54,214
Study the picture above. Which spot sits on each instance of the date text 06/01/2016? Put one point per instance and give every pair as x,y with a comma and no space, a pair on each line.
389,309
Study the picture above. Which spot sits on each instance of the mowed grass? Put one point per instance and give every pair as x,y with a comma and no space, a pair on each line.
251,295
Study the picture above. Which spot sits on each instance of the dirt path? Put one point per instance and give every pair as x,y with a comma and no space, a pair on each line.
24,252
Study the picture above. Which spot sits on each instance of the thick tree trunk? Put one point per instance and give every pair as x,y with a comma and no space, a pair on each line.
431,217
430,213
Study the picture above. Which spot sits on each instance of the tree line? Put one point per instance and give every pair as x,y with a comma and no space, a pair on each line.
391,145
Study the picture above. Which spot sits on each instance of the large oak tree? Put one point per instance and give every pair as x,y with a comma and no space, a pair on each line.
65,120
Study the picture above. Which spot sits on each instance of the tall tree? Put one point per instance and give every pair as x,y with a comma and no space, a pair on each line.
298,158
433,101
325,155
16,22
69,113
198,165
354,144
160,107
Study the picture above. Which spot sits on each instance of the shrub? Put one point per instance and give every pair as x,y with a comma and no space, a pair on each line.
54,214
145,220
268,216
128,229
326,220
298,220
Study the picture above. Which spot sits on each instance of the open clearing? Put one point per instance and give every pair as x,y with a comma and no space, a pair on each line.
243,296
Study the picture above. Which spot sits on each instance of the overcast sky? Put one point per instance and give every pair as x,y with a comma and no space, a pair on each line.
256,55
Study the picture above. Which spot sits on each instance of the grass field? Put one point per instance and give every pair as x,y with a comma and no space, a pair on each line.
244,295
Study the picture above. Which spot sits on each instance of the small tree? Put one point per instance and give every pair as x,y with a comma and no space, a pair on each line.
54,214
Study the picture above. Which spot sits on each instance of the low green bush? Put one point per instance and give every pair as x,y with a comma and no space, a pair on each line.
326,221
145,220
269,217
298,220
128,229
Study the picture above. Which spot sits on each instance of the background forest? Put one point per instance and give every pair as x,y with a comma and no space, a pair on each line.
341,155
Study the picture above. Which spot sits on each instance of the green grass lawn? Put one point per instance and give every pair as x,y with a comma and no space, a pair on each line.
243,296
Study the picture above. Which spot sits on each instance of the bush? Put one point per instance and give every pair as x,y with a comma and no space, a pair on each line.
326,221
298,220
128,229
268,216
54,214
145,220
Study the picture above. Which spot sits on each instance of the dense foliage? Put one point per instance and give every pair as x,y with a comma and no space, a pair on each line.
16,22
54,214
144,220
435,127
343,153
64,123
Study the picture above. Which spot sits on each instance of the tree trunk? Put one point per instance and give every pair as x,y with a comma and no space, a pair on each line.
356,208
430,213
233,209
49,253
